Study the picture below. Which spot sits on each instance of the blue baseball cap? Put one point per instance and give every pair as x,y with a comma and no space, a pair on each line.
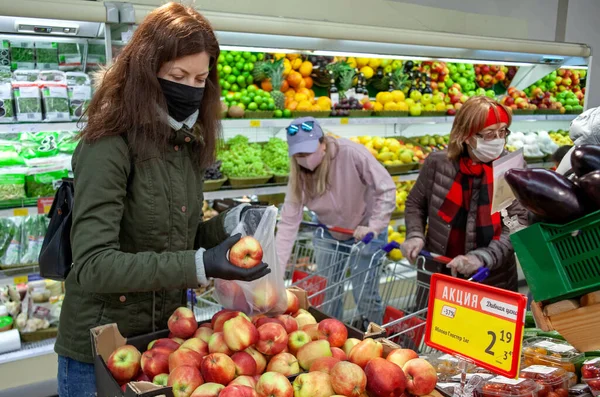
303,135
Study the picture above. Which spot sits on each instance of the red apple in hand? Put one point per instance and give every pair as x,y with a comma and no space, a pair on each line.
335,331
182,323
273,384
246,253
184,380
422,377
348,379
293,303
124,363
244,364
272,339
218,368
384,378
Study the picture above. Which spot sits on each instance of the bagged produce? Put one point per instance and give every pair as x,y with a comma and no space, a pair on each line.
69,56
12,183
22,54
267,294
5,56
33,229
28,101
585,159
39,145
67,142
7,112
44,181
54,96
9,156
80,94
547,194
96,55
10,241
46,55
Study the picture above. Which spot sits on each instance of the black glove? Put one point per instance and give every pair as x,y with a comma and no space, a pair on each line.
216,264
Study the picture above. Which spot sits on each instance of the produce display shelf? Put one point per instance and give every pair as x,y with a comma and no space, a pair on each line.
19,275
281,123
29,350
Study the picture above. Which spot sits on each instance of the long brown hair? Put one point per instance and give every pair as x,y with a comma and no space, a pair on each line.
310,185
469,120
129,95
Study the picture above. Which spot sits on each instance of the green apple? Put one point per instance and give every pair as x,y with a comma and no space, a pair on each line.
415,110
438,98
426,99
415,95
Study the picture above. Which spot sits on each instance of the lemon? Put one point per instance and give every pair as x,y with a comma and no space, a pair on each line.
398,96
409,102
352,62
361,62
403,106
378,107
395,236
390,106
396,255
367,71
392,144
375,63
440,107
365,139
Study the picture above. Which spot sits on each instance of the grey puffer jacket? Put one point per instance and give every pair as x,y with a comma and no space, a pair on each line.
422,206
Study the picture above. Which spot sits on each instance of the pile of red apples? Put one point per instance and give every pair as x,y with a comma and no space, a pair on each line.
234,355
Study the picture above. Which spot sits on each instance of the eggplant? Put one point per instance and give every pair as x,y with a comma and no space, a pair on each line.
549,195
590,185
585,159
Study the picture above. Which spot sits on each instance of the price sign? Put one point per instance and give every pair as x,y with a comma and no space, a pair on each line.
255,123
44,205
479,323
20,212
344,121
20,280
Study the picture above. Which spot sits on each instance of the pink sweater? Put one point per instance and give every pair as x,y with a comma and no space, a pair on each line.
361,193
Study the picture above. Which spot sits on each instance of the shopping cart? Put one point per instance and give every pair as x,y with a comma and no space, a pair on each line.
406,296
332,271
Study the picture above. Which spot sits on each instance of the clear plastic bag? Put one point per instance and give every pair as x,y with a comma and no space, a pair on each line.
266,295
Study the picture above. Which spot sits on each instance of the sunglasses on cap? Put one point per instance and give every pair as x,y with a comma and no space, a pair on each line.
307,126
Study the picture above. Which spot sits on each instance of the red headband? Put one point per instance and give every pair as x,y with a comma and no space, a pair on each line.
492,119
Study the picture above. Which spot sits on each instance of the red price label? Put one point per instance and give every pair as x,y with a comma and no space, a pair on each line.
479,323
44,205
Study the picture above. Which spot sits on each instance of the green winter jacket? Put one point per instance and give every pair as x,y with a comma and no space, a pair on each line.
137,224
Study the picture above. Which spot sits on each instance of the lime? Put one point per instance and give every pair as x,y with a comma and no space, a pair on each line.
247,67
226,86
221,58
259,100
241,80
252,58
235,87
270,106
231,79
235,71
252,95
287,113
226,69
221,82
260,93
249,80
252,106
240,65
252,88
237,96
246,100
241,106
278,113
224,93
230,96
246,54
228,58
219,67
234,103
245,74
263,106
260,57
237,58
251,67
270,100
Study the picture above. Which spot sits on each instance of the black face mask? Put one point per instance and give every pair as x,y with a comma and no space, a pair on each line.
182,100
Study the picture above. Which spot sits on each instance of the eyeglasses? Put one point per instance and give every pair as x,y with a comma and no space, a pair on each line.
307,126
489,135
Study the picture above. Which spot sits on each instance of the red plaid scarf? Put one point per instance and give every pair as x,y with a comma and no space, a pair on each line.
455,208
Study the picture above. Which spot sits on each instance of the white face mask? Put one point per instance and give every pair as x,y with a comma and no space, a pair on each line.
487,151
312,161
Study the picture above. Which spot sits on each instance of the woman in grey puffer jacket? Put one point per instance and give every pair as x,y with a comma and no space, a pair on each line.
453,196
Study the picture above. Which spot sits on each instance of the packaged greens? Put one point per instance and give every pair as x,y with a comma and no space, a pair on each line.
33,229
36,145
9,155
46,55
22,54
96,55
80,94
12,183
5,56
44,181
67,141
24,75
69,56
7,113
10,242
54,95
28,102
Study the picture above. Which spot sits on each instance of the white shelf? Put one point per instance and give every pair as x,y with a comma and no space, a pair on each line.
29,350
258,191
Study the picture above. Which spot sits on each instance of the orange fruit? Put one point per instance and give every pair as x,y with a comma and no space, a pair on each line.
302,83
291,57
290,93
296,63
266,85
304,91
285,86
293,105
287,67
308,81
306,69
294,79
304,106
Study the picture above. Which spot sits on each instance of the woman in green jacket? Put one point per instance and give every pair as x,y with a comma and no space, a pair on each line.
138,239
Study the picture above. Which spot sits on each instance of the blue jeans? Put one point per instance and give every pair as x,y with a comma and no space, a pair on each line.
75,379
336,262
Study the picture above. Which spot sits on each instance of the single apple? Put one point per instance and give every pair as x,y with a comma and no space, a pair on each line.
203,333
313,384
297,339
124,363
348,379
303,318
339,354
208,390
217,344
422,377
164,342
289,323
285,364
324,364
384,378
246,253
401,356
244,380
293,303
335,331
182,323
266,320
272,339
184,380
239,333
161,379
197,345
273,384
142,377
219,319
244,364
261,361
313,331
218,368
349,344
184,357
365,351
311,351
155,361
238,391
178,340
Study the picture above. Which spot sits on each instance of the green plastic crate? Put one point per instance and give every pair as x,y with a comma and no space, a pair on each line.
560,261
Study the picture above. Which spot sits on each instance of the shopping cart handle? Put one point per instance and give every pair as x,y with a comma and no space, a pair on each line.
191,295
391,246
481,274
438,258
368,238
